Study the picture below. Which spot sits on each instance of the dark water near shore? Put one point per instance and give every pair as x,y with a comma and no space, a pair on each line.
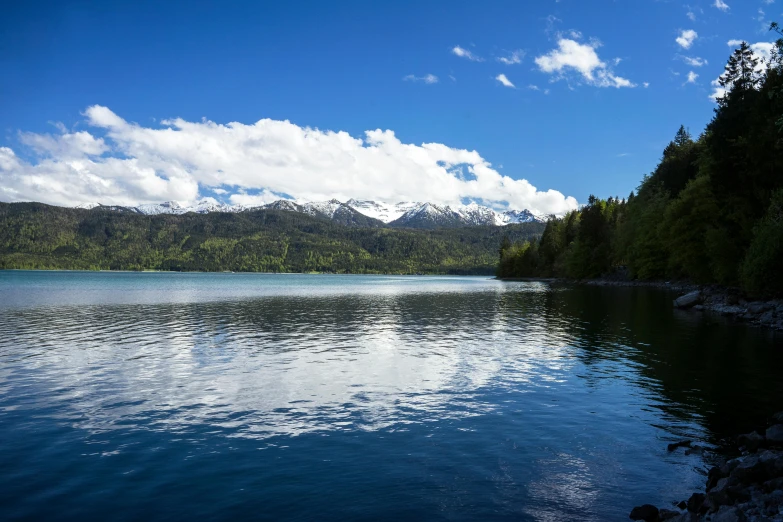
287,397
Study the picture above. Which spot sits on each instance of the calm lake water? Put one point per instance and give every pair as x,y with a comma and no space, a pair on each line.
161,396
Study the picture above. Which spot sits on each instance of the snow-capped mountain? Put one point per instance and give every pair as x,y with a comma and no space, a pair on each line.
428,215
322,208
203,206
361,212
381,211
336,211
521,216
476,214
88,206
284,204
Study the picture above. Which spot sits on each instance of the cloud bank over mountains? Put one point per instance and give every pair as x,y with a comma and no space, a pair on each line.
124,163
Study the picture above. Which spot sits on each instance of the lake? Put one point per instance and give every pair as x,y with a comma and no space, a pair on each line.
180,396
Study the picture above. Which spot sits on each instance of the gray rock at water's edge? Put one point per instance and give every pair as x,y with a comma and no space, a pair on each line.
698,307
729,514
726,493
647,512
749,470
773,485
686,517
728,467
773,503
719,495
696,502
688,300
695,450
759,307
679,444
751,441
728,309
667,514
713,476
767,318
754,469
775,434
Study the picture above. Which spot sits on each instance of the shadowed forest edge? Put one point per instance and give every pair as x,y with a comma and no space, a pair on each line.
711,211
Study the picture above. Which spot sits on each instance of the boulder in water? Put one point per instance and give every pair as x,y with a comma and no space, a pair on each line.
680,444
667,514
688,300
729,514
758,307
751,441
775,434
647,512
696,502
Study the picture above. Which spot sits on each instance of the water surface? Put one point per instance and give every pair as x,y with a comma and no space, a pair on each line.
163,396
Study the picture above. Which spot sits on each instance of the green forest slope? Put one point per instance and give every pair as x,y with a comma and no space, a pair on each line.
38,236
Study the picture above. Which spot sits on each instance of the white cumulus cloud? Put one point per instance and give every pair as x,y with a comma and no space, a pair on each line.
572,56
505,81
691,77
464,53
720,4
124,163
686,38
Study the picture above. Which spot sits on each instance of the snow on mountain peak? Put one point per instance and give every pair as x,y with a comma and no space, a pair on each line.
400,214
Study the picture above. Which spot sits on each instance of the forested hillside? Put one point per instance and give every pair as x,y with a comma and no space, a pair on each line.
711,212
34,235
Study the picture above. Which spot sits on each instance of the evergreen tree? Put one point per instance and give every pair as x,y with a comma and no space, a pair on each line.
678,164
683,137
505,244
740,73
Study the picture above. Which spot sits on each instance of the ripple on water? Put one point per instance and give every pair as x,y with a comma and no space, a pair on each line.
214,396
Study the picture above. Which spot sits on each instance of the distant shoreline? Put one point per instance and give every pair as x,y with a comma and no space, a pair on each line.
227,272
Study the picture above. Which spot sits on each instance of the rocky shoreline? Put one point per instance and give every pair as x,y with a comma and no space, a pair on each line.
748,488
731,303
728,302
681,286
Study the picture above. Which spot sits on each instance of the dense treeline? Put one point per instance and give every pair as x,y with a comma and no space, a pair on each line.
711,212
38,236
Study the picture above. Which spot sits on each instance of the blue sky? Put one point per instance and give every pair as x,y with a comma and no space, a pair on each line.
356,67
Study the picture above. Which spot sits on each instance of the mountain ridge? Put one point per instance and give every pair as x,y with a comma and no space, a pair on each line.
40,236
355,212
